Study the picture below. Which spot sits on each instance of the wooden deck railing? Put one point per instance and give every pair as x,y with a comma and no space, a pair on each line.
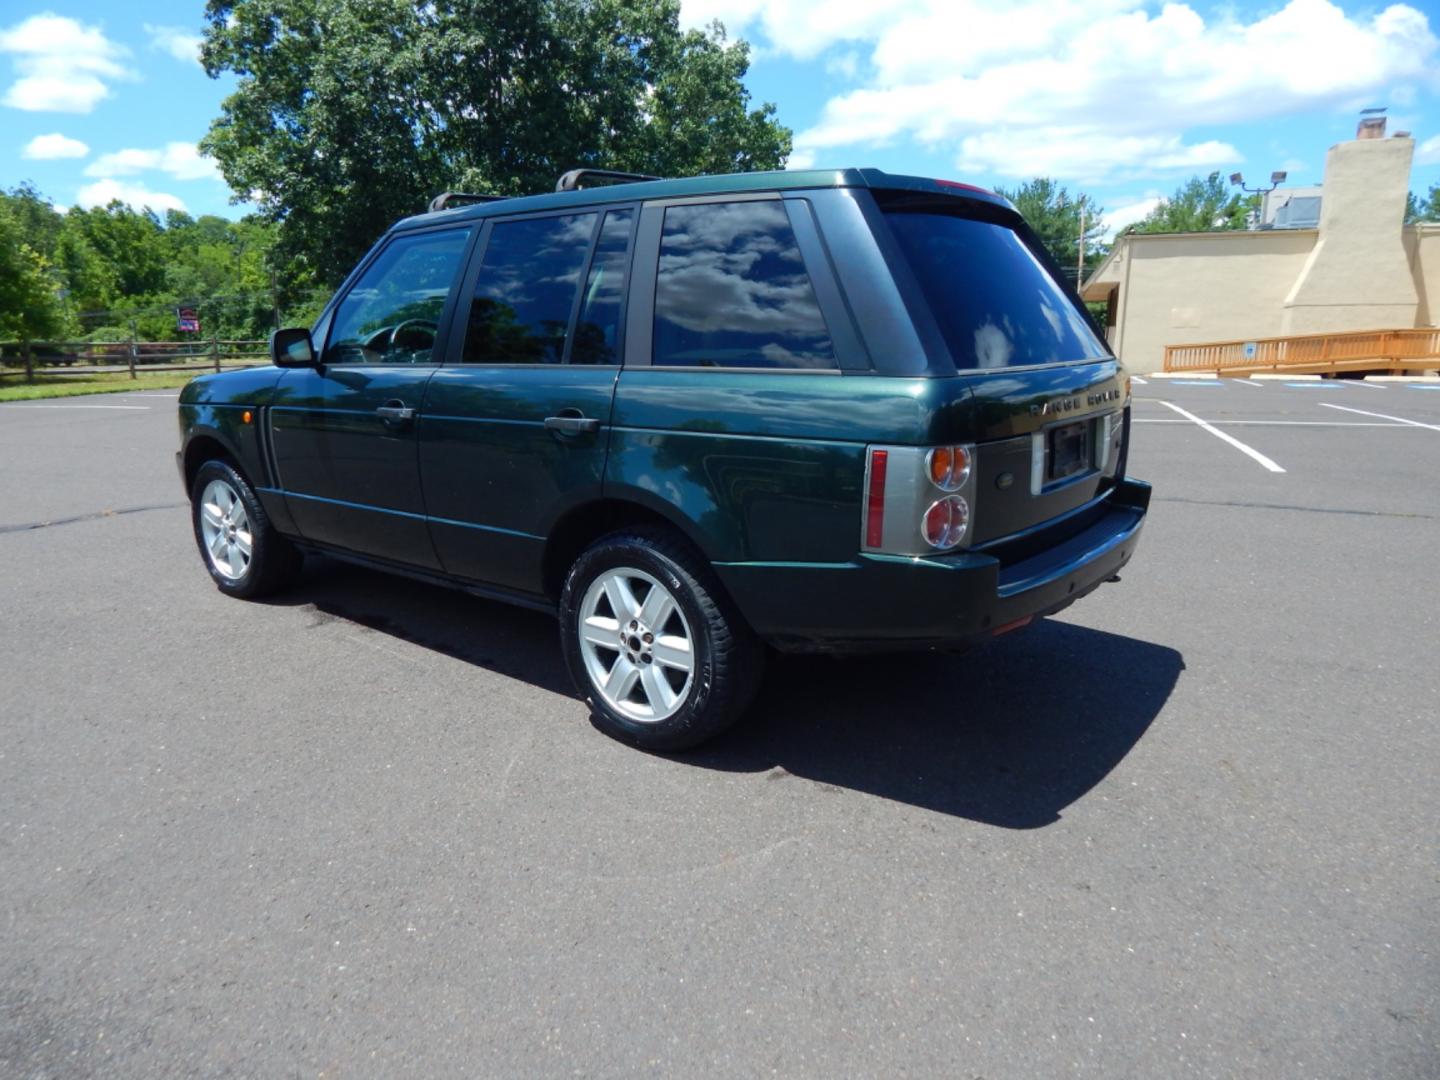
1366,350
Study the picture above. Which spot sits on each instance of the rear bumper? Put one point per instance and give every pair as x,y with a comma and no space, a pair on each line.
892,602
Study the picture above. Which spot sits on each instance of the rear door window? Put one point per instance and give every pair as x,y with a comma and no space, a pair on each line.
525,294
996,304
597,332
732,291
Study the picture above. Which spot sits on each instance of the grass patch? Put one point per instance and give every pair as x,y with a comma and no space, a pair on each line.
15,388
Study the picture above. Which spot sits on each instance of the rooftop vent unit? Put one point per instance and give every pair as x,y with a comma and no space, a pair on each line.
1298,212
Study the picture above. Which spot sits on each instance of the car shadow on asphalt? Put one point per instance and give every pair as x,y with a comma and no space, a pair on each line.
1009,734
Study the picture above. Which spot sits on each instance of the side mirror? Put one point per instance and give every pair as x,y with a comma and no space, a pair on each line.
292,347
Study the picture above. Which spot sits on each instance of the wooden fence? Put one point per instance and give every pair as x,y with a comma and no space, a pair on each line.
1395,351
24,359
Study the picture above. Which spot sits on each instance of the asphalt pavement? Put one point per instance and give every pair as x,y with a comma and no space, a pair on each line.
1188,828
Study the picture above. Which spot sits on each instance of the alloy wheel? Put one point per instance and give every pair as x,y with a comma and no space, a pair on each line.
636,644
225,528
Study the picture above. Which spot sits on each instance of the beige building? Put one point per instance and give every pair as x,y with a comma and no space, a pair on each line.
1362,268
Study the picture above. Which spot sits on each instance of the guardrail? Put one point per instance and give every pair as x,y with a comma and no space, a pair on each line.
1395,351
135,357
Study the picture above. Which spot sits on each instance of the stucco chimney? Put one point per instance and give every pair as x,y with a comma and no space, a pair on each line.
1358,276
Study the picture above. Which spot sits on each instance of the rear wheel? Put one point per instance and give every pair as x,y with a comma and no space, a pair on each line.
653,644
246,557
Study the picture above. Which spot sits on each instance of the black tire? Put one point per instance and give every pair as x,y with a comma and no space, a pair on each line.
273,562
728,661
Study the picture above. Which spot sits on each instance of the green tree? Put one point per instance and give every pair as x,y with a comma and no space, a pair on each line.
351,113
1429,210
1201,205
30,305
115,264
1054,214
38,221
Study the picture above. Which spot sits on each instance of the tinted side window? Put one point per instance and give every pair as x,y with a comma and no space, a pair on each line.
526,290
597,332
996,304
391,314
732,291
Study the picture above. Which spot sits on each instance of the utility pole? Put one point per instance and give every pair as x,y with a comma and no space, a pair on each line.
1080,259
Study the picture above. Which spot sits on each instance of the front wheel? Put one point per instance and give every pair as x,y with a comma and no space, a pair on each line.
653,644
246,557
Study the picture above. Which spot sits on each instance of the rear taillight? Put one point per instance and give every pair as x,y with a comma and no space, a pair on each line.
944,523
918,500
875,500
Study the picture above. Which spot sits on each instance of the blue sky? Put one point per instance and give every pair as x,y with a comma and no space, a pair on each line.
1123,99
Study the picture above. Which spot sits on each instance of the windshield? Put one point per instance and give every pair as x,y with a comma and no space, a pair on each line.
996,304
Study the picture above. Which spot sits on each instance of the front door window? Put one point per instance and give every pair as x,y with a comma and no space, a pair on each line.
392,314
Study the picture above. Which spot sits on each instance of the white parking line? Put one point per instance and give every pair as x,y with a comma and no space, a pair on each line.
1250,383
1382,416
1369,385
1275,423
1248,451
1139,380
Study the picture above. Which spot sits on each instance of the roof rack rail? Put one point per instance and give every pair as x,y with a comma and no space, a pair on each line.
571,180
446,199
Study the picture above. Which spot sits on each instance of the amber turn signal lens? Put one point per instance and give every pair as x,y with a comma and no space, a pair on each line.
245,416
949,467
941,460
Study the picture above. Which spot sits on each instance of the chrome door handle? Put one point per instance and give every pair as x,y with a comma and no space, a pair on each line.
573,425
395,412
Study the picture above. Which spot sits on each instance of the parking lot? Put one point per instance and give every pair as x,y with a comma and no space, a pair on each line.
1186,828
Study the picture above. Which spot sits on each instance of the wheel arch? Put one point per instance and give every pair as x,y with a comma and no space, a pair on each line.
582,525
207,445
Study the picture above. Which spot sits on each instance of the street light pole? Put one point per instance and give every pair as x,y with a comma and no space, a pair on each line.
1276,179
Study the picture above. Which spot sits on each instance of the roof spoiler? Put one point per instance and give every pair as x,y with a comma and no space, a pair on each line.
877,178
572,180
446,199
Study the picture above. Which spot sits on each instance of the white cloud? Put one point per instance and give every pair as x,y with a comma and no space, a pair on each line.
62,65
103,192
50,147
1428,152
801,159
1087,155
180,43
845,66
801,28
1094,91
1129,214
180,160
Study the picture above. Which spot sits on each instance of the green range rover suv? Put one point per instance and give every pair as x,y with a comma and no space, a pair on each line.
825,410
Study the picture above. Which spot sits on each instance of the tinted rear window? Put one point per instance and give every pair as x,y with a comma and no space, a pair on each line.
733,291
996,304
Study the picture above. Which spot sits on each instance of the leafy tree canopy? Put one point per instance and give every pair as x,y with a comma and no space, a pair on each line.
1428,210
30,304
1201,205
108,265
352,113
1054,214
